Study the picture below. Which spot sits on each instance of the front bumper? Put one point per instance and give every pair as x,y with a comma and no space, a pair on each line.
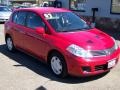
87,67
3,19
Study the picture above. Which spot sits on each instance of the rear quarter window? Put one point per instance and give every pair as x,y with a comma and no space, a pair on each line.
14,17
19,17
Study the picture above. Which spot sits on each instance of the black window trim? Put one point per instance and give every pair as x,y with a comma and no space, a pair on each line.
111,9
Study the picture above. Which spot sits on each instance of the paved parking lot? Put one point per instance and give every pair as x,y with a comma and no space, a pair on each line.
19,71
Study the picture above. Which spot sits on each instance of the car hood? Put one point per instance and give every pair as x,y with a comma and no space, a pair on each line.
5,13
93,39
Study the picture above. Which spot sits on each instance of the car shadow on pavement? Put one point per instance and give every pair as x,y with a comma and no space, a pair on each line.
42,69
2,22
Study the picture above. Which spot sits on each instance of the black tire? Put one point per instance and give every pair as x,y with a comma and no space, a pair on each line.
9,44
63,73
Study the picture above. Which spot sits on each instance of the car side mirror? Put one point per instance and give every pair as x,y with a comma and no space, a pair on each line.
40,30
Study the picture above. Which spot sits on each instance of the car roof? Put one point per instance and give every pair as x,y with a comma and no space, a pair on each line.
44,9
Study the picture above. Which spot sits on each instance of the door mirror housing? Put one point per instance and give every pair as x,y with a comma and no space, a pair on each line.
40,30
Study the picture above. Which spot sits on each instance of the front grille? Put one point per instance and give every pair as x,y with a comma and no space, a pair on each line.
101,67
86,69
98,53
106,52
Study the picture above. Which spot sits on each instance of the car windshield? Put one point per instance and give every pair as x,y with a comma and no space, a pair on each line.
66,21
4,9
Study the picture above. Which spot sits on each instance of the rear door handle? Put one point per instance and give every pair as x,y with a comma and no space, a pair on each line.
34,36
30,35
22,32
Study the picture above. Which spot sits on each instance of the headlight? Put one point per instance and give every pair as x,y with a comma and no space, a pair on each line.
115,44
78,51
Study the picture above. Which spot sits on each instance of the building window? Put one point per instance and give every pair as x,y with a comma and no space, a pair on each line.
78,5
115,6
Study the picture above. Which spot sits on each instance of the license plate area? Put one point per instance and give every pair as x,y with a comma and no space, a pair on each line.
111,63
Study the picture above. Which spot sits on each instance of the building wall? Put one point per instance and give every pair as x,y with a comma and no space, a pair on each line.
103,6
65,3
105,20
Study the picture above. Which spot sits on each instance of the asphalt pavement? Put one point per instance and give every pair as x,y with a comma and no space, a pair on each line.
19,71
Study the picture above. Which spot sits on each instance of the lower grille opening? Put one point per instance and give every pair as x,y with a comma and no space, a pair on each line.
86,69
101,67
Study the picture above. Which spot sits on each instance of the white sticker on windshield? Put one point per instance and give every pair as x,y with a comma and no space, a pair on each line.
50,16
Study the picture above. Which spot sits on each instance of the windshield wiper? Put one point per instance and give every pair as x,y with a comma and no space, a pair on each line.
65,31
81,29
62,30
71,30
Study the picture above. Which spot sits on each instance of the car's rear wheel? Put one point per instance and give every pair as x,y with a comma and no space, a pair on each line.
58,65
9,44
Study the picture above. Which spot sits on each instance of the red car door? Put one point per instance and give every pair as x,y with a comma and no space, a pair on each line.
18,28
35,43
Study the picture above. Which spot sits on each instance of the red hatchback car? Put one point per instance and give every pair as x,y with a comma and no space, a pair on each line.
61,39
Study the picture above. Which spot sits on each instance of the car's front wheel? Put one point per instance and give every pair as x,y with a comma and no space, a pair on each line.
9,44
58,65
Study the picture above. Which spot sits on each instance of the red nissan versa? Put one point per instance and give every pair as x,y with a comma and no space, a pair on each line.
62,40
